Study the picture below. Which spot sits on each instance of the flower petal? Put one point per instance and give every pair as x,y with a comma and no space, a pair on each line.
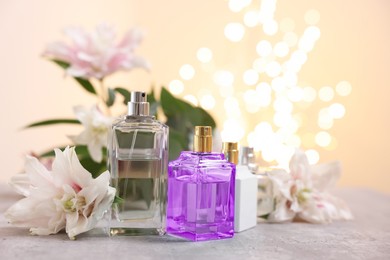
281,213
132,39
325,176
95,150
78,173
60,51
30,212
79,37
324,208
139,62
281,183
97,189
98,196
78,71
21,184
37,172
81,114
61,168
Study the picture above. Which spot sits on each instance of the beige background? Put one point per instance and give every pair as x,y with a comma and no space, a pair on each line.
354,46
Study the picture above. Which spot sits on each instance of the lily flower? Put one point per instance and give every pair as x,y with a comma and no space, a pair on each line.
303,193
95,134
65,197
97,54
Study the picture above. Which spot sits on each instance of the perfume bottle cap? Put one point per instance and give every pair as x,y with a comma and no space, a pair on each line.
203,139
230,150
246,155
138,105
248,158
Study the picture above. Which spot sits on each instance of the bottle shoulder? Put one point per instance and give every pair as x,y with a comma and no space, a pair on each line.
243,172
136,122
202,160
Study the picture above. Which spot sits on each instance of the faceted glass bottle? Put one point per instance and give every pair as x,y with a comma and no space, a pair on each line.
265,193
138,152
201,192
265,200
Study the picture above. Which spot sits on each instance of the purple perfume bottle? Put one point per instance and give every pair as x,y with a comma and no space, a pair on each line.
201,192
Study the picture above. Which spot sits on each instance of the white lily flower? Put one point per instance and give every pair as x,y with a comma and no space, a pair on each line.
96,126
65,197
21,184
302,193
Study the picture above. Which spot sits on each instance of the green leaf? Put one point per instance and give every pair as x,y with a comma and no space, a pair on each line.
85,83
177,143
178,137
265,216
125,93
170,104
93,167
53,122
81,151
175,111
199,116
61,63
154,104
118,200
111,97
182,117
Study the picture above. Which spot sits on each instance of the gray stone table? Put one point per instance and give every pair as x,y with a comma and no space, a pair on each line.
366,237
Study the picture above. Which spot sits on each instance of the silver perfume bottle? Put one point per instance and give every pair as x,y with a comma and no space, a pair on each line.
138,157
265,201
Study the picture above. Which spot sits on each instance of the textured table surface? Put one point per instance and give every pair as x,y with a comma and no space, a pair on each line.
366,237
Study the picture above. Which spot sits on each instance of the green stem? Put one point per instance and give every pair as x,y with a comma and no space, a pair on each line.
104,97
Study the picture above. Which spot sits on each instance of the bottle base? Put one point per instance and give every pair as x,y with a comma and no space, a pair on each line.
200,237
137,232
200,232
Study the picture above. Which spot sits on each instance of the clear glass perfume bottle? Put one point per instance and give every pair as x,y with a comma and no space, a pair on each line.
265,194
138,157
201,192
265,201
245,201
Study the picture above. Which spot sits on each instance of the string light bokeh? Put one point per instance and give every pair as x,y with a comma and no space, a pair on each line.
268,89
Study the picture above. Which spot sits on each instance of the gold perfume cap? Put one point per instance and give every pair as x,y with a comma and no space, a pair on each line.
230,150
203,139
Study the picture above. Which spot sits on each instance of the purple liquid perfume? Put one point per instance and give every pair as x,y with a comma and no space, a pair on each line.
201,192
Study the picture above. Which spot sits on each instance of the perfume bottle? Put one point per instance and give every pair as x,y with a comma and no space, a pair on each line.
265,201
201,192
265,197
245,202
138,157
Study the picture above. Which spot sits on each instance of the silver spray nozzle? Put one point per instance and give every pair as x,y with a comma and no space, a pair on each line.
138,105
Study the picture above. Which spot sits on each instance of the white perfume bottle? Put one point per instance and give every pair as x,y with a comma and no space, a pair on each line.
245,205
138,157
